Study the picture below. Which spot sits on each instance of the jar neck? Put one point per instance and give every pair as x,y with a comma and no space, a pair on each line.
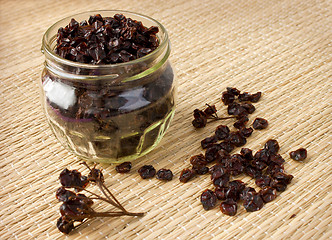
117,74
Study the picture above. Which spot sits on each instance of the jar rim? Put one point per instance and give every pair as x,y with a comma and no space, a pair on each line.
46,48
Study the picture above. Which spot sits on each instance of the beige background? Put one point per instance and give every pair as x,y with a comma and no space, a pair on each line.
279,47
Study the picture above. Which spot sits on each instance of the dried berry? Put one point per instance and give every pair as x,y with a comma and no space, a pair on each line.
210,110
208,141
64,225
64,195
123,167
186,175
260,123
95,174
280,181
252,171
235,165
299,154
268,194
233,91
237,139
211,152
222,155
246,153
246,132
245,191
263,181
222,132
235,188
227,98
253,202
221,192
241,122
76,207
274,168
220,177
229,207
147,171
227,146
200,169
199,122
164,174
73,178
198,160
244,97
106,40
248,107
255,97
208,199
236,109
272,146
276,159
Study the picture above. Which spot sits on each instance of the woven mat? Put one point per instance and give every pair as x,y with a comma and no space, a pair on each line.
279,47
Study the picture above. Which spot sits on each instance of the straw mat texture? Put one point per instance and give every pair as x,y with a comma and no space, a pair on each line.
279,47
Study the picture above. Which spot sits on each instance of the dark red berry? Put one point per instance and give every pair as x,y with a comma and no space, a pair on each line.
73,178
229,207
268,194
227,98
260,123
274,168
147,171
246,153
208,141
299,154
64,225
235,164
210,110
272,146
253,202
208,199
245,191
246,132
199,122
222,132
164,174
227,146
252,171
222,155
235,188
276,159
248,107
221,192
64,195
237,139
186,175
198,160
244,97
263,181
236,109
123,167
200,169
233,91
211,152
96,175
255,97
241,122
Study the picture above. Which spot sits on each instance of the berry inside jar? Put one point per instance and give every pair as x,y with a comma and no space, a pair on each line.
109,88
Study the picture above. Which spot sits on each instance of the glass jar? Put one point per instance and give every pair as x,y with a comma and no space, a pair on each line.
108,113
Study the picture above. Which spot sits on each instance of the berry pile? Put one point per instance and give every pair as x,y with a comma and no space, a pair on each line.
76,207
106,40
266,166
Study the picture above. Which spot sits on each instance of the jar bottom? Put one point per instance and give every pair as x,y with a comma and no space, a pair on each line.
98,150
